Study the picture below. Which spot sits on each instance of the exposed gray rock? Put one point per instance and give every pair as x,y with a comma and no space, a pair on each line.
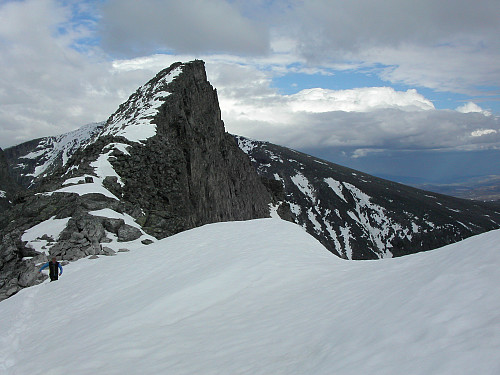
128,233
28,278
16,273
108,251
192,172
112,225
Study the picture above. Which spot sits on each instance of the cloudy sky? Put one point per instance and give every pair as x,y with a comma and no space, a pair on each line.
399,88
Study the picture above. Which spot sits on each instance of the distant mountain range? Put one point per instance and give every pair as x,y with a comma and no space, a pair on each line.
485,188
163,163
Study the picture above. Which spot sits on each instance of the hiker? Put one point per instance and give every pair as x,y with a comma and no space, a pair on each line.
53,265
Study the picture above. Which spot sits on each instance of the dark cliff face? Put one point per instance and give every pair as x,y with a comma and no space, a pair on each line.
161,164
358,216
8,187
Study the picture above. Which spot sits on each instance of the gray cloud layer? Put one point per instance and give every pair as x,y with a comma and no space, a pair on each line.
194,26
448,45
354,25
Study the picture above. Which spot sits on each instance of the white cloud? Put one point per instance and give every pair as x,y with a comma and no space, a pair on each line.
436,44
363,152
459,68
481,132
47,86
357,100
441,45
471,107
365,120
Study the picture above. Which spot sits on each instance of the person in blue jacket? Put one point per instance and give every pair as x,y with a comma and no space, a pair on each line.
53,266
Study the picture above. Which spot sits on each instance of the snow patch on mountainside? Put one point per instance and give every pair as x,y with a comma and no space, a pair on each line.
103,167
95,187
39,236
368,212
336,186
304,186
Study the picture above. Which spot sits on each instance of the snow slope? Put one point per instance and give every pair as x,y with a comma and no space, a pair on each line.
260,297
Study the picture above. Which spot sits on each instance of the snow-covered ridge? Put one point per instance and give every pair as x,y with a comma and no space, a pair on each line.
62,146
260,297
134,118
246,145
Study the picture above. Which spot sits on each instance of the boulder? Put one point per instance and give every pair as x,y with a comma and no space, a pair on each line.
128,233
107,251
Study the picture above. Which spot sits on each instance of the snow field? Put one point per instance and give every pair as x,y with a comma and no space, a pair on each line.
260,297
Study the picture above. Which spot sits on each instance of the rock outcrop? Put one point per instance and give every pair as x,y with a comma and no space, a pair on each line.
8,187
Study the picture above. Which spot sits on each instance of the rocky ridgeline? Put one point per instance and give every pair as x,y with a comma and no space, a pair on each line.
187,173
358,216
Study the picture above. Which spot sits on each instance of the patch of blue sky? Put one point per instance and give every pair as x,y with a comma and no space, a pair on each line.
490,101
83,21
292,83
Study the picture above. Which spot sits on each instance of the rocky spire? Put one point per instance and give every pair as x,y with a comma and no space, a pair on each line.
178,165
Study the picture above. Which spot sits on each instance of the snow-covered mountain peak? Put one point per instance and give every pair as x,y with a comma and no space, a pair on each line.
134,119
161,164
